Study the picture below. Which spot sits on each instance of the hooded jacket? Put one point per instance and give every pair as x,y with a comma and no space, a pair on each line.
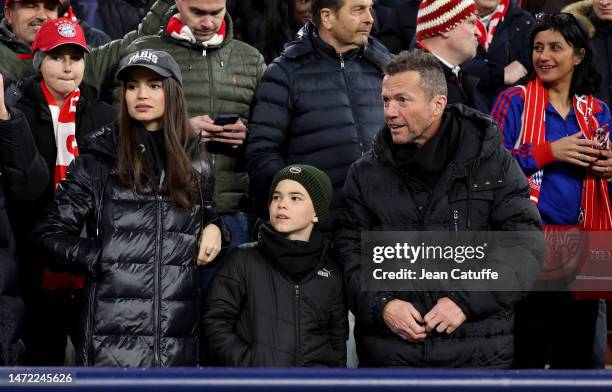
601,38
142,292
318,108
216,80
481,189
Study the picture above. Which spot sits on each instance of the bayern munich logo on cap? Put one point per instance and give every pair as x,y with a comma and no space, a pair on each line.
66,30
295,170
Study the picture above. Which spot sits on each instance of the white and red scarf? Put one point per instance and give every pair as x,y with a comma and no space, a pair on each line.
64,126
595,205
177,30
488,33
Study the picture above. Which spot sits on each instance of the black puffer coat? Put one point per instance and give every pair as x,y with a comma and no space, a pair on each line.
256,315
141,295
23,175
315,107
382,197
31,114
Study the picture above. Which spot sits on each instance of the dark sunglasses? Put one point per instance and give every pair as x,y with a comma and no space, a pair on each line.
559,19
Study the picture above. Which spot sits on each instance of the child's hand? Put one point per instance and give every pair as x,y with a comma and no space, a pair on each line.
210,244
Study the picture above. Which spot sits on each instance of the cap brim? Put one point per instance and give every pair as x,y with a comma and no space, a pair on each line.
121,74
50,48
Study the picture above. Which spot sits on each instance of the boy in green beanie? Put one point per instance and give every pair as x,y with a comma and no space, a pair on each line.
279,301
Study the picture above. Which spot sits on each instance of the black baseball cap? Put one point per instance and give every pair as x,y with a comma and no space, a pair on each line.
160,62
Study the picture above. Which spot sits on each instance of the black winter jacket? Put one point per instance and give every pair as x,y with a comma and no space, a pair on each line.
141,296
23,175
511,43
256,315
316,107
381,197
30,113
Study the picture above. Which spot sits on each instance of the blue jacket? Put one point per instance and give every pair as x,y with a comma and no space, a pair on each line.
561,190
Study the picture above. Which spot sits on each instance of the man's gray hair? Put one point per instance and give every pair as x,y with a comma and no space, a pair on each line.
426,64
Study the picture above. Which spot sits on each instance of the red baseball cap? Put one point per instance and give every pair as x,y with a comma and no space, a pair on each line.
56,32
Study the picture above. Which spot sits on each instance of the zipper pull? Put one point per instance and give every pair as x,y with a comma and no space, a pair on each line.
204,52
297,290
341,61
456,220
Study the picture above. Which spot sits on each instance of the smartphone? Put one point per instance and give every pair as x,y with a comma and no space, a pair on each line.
225,119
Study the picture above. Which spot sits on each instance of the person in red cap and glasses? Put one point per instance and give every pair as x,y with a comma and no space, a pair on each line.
23,19
59,111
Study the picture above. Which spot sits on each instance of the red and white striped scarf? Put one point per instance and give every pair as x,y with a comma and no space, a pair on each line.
177,30
595,205
487,34
64,127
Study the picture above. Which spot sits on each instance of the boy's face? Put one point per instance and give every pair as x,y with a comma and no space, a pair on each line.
291,211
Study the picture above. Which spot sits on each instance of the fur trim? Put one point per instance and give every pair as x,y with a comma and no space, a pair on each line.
581,10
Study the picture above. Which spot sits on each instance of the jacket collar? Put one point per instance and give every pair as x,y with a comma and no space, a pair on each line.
373,51
479,139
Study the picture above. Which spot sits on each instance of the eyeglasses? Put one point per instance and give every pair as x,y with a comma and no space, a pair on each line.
558,19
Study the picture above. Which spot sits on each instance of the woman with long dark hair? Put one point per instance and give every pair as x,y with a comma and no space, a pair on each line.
143,191
559,134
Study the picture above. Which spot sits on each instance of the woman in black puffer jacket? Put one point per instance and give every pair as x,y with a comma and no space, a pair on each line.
142,189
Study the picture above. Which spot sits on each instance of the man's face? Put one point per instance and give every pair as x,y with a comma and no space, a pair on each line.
26,17
411,115
463,39
203,17
485,7
349,28
603,9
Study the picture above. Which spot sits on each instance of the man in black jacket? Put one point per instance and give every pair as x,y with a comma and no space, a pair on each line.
319,103
436,168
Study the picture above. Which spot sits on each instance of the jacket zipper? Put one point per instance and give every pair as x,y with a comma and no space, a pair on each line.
89,337
298,352
156,292
348,94
211,90
456,220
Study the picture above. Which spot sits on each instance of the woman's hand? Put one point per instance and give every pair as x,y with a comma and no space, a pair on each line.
575,150
4,113
603,166
210,244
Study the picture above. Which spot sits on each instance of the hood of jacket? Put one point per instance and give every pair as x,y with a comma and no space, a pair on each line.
479,139
229,30
583,11
373,51
8,38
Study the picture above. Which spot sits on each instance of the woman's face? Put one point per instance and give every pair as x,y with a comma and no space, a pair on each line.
62,69
554,59
302,11
144,97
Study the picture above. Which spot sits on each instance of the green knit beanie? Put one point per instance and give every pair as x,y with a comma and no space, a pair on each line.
316,183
